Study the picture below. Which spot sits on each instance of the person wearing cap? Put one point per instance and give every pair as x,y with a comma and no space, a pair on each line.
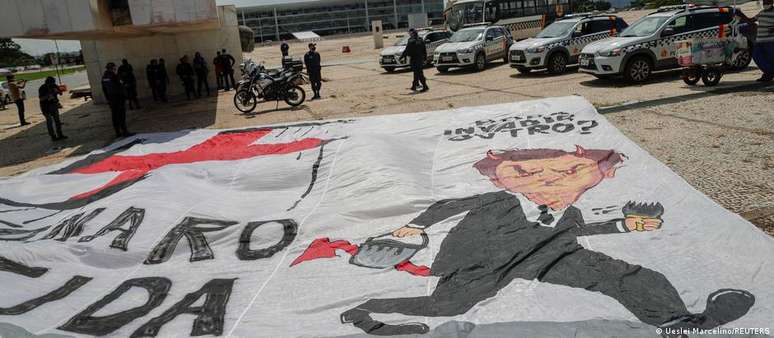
15,87
417,52
314,67
116,97
49,105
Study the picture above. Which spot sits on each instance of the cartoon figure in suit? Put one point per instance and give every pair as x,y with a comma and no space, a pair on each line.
528,230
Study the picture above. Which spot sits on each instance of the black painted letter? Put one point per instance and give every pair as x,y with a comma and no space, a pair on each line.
209,316
200,249
133,216
289,231
84,323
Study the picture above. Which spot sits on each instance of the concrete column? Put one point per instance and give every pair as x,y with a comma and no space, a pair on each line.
276,25
368,19
395,12
244,22
423,7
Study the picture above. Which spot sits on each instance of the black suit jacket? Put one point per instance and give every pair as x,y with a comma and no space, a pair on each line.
495,237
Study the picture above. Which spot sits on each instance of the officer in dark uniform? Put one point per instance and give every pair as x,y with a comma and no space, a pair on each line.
186,73
228,62
49,106
314,67
284,49
116,97
416,51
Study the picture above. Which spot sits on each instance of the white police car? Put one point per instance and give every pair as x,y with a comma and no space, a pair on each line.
473,46
560,44
389,58
649,43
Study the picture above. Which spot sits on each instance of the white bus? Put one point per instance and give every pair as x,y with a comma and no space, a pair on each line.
524,18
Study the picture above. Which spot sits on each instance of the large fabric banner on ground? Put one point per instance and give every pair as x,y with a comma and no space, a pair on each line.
527,219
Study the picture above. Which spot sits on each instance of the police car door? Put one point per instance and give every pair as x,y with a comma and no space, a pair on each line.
597,28
490,45
666,48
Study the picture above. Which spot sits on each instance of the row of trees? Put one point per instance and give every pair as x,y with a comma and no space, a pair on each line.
12,56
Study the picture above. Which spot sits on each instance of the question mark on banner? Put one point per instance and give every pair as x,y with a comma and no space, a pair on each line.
585,130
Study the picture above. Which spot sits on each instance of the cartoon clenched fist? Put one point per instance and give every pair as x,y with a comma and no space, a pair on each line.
407,231
643,216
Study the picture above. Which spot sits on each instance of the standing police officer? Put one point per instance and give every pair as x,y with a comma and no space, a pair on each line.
314,67
417,52
116,97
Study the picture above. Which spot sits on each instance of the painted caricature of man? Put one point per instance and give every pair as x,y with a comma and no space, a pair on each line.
529,230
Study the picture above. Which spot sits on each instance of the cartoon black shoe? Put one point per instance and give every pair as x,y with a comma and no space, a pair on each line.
723,306
361,319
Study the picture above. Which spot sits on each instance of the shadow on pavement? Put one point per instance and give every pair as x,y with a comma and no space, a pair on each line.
470,69
701,91
89,127
272,107
542,73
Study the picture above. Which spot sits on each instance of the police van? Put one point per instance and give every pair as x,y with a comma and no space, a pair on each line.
473,46
650,43
560,44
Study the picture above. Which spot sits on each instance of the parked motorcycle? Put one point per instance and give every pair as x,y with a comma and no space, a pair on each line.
260,85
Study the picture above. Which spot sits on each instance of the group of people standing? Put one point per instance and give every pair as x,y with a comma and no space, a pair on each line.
313,64
48,95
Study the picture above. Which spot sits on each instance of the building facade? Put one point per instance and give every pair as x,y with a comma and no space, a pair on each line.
136,30
327,17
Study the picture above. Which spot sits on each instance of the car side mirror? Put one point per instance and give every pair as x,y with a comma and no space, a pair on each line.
490,38
669,31
576,34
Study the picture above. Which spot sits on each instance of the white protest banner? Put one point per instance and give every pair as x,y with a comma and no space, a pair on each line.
528,219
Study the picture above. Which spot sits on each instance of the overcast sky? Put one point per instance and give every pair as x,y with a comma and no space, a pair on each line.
39,47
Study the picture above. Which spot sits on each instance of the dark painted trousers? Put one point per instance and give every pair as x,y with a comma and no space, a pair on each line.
419,74
645,293
53,124
315,77
20,108
201,80
118,114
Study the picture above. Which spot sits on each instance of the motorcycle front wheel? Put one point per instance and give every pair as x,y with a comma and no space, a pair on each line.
245,101
295,96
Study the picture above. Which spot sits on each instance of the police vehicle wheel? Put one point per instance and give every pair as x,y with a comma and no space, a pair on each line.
711,77
557,63
443,69
638,69
742,60
480,62
295,96
245,101
691,76
389,69
524,70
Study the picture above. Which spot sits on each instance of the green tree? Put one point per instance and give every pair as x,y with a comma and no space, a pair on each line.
11,54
